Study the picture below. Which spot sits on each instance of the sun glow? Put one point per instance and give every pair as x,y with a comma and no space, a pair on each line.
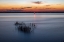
31,6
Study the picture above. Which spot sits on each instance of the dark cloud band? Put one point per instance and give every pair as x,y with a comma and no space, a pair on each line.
37,2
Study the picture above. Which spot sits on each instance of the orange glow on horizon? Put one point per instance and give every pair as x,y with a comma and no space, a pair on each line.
33,8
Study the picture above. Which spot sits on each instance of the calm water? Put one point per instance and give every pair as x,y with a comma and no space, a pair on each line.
49,27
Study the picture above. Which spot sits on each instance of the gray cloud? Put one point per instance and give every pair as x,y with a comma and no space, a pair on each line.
48,5
14,10
58,4
22,8
48,8
37,2
28,7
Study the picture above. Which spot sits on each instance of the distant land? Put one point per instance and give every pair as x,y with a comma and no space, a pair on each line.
32,12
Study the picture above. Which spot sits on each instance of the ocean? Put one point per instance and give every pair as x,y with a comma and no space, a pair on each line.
49,27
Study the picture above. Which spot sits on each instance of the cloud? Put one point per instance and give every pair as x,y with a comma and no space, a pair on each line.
28,7
48,5
22,8
48,8
14,10
54,8
58,4
37,2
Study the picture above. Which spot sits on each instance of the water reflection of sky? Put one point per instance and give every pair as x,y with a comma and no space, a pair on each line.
34,16
48,28
28,16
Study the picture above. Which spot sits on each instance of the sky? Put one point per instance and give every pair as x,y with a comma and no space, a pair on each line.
31,5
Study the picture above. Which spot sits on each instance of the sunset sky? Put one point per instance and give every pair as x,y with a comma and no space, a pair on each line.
31,5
